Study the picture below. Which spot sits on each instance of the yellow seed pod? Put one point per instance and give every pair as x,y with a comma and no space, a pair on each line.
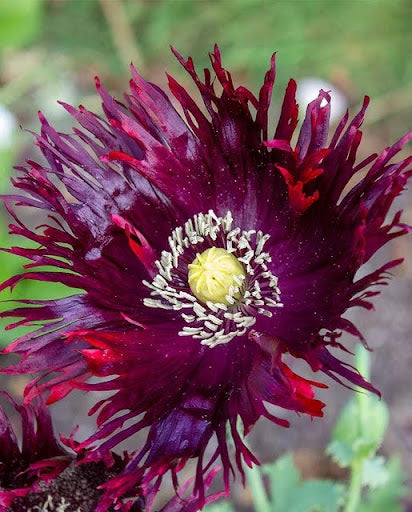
212,273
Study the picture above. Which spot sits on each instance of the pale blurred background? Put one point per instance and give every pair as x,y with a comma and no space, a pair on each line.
51,49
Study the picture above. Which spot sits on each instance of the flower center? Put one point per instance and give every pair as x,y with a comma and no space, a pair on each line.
216,278
214,274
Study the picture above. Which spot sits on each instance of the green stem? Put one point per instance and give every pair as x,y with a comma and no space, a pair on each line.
260,498
355,487
362,363
122,32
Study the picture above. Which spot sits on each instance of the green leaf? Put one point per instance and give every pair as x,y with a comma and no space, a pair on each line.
342,453
374,472
317,496
359,431
290,494
388,496
284,478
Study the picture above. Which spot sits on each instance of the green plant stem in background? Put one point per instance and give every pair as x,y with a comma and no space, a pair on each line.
122,33
355,487
260,498
362,363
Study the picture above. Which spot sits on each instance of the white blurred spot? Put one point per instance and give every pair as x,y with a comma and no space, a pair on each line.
47,98
7,127
308,90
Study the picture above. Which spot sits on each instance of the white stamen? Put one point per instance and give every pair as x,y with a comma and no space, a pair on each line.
190,331
258,290
188,318
265,312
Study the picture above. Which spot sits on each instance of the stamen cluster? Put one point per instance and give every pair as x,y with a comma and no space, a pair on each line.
215,323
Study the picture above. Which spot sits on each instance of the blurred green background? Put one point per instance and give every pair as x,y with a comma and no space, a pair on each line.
51,49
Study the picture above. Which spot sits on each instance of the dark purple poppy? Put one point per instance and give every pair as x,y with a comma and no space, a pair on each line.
42,474
206,250
40,456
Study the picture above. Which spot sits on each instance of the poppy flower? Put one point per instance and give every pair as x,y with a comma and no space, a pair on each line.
39,457
206,249
44,474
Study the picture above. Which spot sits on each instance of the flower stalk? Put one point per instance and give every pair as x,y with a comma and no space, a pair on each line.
261,500
362,364
355,486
